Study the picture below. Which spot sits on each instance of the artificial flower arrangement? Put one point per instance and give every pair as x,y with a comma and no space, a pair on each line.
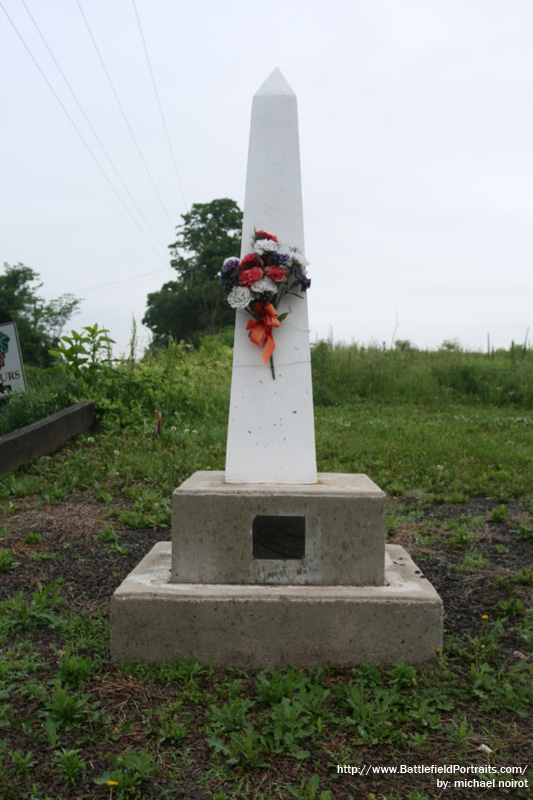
258,282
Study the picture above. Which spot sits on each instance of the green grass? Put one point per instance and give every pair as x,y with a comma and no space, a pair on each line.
47,394
385,416
432,378
440,712
443,455
439,453
427,428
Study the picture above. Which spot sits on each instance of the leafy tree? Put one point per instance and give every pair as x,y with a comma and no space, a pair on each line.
39,323
403,344
450,346
191,306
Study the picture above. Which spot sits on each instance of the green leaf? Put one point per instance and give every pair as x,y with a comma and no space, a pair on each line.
4,342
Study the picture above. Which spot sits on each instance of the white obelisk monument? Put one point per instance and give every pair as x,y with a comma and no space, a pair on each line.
271,434
271,564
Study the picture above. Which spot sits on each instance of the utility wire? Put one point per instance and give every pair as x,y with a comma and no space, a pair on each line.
160,107
132,279
109,311
78,131
87,120
124,113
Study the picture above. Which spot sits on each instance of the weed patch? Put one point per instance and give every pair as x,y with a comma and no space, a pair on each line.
77,726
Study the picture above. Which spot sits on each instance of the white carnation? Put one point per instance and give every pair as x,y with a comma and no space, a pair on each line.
299,260
265,246
264,285
239,297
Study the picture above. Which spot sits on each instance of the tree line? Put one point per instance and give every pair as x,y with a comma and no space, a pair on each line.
186,308
192,306
39,323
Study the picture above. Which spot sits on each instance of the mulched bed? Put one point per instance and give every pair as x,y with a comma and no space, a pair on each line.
71,552
91,573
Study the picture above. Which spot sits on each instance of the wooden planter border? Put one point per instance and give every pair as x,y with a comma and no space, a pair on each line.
43,437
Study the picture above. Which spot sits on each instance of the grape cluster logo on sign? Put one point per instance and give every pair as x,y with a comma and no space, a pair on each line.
12,378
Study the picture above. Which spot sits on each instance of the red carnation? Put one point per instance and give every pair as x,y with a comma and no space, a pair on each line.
251,260
277,274
249,276
265,235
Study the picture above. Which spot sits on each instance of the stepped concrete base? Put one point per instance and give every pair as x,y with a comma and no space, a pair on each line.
258,626
330,533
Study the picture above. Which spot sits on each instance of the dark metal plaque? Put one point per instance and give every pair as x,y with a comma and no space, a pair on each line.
278,537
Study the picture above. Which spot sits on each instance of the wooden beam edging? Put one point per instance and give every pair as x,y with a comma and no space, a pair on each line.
43,437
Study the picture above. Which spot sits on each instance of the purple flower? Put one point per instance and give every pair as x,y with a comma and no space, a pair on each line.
279,258
229,265
305,282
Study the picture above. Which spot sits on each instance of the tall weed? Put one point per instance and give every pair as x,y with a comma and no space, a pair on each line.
47,394
344,373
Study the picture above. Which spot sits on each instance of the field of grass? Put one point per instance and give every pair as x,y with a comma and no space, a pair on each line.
448,435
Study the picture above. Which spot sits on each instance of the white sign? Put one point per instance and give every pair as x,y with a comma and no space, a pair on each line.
12,378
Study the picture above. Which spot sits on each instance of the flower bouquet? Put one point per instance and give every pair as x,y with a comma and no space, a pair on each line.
258,282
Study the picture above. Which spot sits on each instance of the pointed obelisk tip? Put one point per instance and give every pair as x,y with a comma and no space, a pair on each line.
275,84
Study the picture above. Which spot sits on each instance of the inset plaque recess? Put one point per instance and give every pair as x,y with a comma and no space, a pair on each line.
278,537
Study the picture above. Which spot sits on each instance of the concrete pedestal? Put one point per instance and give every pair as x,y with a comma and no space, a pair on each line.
340,522
253,627
337,596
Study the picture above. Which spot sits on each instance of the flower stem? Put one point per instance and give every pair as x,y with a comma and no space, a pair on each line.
272,367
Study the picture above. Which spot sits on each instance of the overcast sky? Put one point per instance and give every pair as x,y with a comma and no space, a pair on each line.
416,135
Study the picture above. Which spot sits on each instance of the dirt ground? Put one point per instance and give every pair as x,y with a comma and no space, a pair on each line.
90,574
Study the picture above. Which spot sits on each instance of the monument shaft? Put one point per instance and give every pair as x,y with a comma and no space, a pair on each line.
271,435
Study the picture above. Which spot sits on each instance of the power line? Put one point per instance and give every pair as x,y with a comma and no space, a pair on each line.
136,307
87,146
132,279
160,106
123,113
90,124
